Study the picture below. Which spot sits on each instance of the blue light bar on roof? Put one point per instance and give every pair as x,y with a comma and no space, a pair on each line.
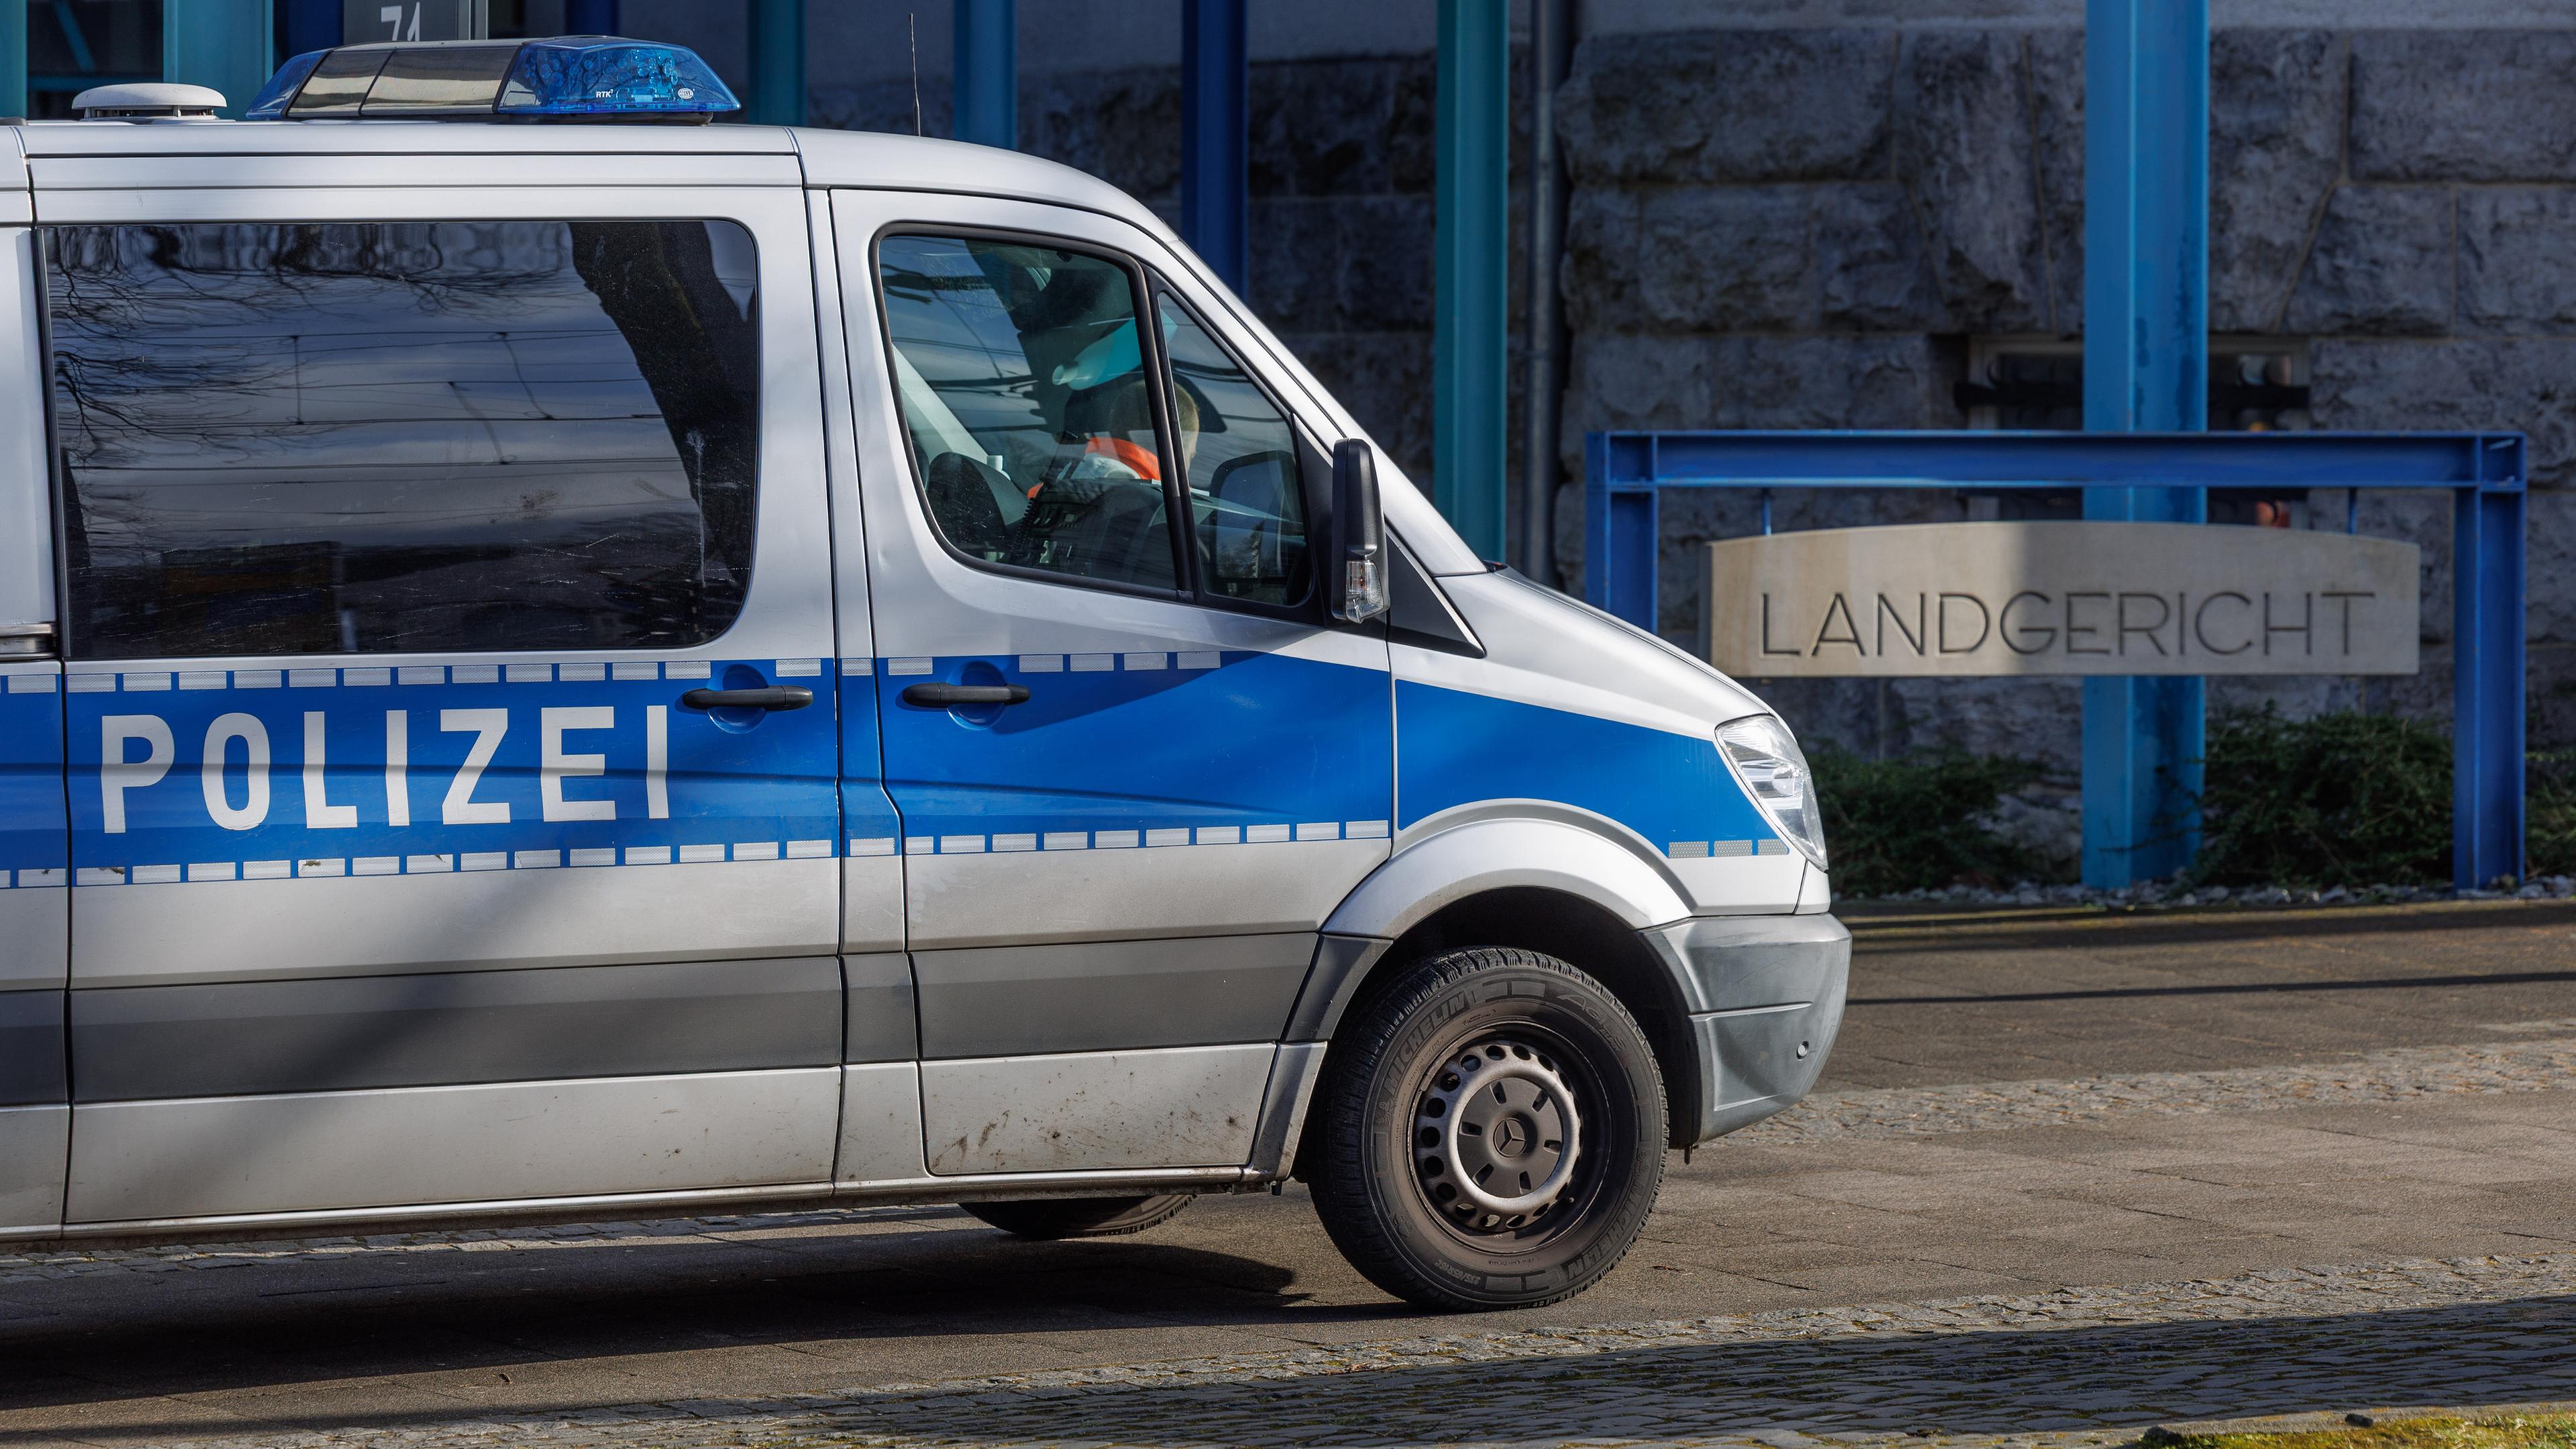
573,77
596,75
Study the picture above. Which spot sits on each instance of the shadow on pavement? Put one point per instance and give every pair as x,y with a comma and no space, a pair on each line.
1887,1381
101,1338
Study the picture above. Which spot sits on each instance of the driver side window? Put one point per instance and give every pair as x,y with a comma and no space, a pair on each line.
1030,411
1240,458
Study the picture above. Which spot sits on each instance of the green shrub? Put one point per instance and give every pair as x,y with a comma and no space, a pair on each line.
1919,821
2549,814
2341,799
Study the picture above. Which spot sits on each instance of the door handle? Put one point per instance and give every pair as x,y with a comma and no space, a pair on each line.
949,696
775,696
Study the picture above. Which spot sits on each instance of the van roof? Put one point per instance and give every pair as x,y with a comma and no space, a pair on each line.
874,159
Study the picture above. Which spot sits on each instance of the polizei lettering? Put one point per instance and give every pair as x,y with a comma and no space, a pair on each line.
234,760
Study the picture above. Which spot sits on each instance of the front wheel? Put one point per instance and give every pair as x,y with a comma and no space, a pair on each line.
1492,1132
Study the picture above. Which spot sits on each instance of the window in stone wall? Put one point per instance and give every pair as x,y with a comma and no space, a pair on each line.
2256,385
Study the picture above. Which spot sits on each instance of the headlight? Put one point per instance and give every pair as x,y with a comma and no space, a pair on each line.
1766,761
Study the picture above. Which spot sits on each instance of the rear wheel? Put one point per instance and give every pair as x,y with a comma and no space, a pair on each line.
1079,1217
1492,1132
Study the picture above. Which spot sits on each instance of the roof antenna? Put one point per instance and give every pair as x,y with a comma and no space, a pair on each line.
912,37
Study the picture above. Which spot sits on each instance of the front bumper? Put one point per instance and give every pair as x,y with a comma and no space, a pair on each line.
1765,997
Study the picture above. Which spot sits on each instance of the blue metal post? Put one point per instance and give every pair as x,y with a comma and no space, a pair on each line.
218,43
2146,368
987,85
310,25
1216,135
13,59
778,62
590,17
2487,686
1620,528
1470,251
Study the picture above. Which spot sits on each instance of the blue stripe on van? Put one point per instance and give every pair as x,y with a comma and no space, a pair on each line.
1456,748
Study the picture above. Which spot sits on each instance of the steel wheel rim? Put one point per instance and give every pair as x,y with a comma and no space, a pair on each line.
1497,1135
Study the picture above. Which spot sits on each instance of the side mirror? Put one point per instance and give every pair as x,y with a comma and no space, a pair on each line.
1358,557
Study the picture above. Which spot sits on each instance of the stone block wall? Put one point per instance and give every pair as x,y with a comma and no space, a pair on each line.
1801,229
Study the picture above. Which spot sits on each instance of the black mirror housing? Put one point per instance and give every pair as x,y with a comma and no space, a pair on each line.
1357,560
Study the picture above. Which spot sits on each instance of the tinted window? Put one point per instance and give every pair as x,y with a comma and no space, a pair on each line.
1028,405
404,437
1240,457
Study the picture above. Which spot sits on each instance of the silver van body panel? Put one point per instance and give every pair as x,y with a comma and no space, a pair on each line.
357,1033
35,1146
35,938
140,176
880,1012
212,1157
1027,1000
32,1065
880,1123
1178,1107
15,207
183,143
1446,860
1140,894
266,930
871,883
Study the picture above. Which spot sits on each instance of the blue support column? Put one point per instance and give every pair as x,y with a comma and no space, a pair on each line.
1216,121
2487,683
1621,529
987,85
218,43
1470,252
2146,369
778,62
13,59
590,17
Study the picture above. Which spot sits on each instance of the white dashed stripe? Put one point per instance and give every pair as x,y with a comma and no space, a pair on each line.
197,872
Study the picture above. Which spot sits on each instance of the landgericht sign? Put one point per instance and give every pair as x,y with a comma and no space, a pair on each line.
2060,598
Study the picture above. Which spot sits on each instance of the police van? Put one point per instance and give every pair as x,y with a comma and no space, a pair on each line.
560,662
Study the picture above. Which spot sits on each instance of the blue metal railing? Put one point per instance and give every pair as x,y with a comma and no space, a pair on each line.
1626,472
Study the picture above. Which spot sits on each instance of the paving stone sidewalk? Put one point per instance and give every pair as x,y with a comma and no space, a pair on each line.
2395,1074
2071,1367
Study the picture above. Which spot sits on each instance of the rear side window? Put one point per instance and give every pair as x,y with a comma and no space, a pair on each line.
404,437
1029,407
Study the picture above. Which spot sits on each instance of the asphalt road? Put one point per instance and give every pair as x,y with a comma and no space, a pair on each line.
2284,1088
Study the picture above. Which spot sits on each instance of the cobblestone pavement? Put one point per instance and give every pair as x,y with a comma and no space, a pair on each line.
2076,1364
2397,1074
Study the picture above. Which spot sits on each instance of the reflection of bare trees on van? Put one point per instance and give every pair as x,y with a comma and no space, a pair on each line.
404,436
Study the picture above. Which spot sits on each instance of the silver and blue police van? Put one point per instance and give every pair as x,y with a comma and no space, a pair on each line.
562,663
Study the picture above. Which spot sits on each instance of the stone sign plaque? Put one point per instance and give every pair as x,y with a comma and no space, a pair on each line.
2060,598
